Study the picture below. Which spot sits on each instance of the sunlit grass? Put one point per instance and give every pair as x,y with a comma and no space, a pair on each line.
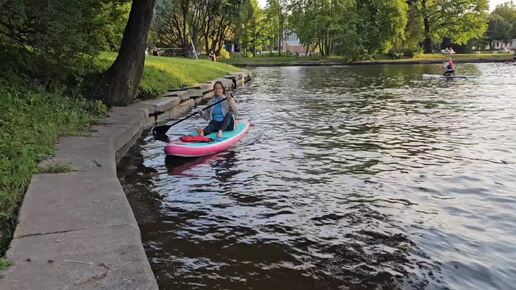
165,73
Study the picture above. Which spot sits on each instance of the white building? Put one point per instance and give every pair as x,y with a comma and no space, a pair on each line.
292,44
499,45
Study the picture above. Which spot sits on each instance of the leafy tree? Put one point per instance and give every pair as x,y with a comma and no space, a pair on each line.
507,12
179,23
277,14
499,30
251,30
357,29
458,20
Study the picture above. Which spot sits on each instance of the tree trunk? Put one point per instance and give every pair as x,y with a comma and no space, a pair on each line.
281,22
280,40
119,84
427,43
272,46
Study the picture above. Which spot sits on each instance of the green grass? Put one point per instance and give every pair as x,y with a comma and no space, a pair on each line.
275,60
165,73
293,60
55,168
31,121
4,264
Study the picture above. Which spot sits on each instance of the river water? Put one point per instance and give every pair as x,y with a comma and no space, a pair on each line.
363,177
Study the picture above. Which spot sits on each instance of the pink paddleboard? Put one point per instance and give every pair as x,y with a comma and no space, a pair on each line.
229,138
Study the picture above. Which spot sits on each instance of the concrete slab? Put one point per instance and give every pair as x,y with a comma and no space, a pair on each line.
206,88
122,125
237,79
182,94
162,104
183,108
72,201
83,154
228,84
109,257
86,212
204,99
194,93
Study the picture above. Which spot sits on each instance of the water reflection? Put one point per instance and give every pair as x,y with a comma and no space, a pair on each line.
352,178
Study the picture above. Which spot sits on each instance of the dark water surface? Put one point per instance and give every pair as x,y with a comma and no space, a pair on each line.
351,178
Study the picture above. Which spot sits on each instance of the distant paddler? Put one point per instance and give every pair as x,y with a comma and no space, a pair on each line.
450,68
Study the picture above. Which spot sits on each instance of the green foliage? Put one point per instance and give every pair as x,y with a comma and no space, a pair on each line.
379,25
112,19
31,121
205,23
54,168
356,29
251,29
499,29
224,54
4,264
53,41
410,45
502,23
458,20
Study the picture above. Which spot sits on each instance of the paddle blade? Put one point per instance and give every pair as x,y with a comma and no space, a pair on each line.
160,130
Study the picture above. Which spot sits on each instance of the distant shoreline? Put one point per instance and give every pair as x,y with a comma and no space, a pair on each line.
379,62
265,61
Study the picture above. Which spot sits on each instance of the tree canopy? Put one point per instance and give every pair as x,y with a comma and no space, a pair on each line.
502,24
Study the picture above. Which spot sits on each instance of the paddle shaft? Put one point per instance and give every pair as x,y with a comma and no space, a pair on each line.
164,128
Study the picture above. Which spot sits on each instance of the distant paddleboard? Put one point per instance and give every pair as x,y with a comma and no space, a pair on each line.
429,76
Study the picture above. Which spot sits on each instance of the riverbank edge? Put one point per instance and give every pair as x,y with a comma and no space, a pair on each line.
393,62
76,230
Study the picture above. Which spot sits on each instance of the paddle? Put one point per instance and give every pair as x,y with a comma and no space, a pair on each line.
162,130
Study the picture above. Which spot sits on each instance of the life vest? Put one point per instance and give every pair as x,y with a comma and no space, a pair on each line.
451,65
195,139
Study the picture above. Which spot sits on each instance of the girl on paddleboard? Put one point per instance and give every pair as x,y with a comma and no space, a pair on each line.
220,116
450,68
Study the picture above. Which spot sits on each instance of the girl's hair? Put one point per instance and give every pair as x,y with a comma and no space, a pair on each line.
220,83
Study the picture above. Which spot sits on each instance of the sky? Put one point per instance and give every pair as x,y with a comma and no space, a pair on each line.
492,3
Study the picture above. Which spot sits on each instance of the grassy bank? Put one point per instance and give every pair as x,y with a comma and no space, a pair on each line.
166,73
456,57
279,60
299,60
31,121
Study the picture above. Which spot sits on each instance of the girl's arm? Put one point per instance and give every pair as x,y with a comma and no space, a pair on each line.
232,104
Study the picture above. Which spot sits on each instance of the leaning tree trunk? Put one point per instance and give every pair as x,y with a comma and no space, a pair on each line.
119,84
427,43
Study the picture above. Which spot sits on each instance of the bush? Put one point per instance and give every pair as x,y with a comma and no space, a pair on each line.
405,52
224,54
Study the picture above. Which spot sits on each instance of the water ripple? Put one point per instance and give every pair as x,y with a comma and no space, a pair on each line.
351,178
